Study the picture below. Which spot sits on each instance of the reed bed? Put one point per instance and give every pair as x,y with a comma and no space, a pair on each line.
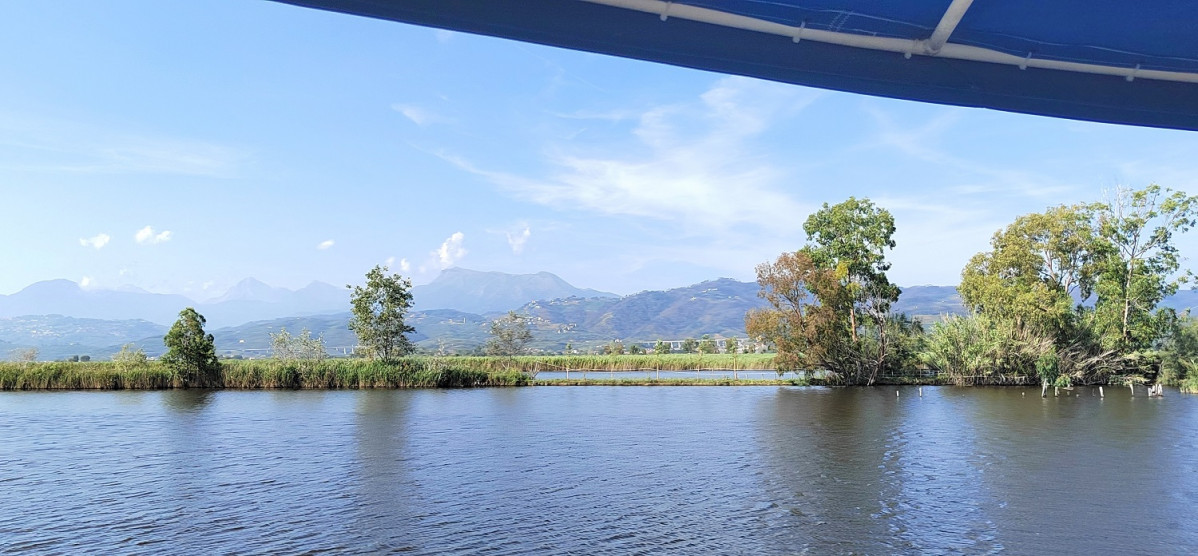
641,362
642,381
412,372
96,375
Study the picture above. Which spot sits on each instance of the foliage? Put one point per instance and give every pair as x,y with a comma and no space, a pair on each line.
689,345
851,238
190,352
1179,352
980,348
130,357
615,347
1034,269
379,309
509,335
731,344
304,347
708,345
661,347
24,355
830,301
636,349
1139,226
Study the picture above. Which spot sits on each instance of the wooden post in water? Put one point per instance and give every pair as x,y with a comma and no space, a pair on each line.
1044,389
1100,394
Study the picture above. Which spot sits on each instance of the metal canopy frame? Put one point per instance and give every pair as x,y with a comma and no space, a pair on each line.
1110,86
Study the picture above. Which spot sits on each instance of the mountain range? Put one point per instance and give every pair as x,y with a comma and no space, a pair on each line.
451,314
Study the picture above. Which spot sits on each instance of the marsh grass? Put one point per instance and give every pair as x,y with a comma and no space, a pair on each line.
411,372
639,362
96,375
674,381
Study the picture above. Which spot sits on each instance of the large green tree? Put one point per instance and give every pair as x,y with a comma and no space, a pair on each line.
1036,270
191,352
1139,227
852,238
379,309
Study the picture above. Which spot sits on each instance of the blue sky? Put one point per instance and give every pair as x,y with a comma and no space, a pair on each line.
182,146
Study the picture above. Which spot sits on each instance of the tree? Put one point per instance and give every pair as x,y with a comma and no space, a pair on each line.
24,355
379,309
690,345
807,318
616,347
707,345
731,345
509,335
831,299
130,357
851,237
1139,226
1035,269
661,347
304,347
190,352
635,349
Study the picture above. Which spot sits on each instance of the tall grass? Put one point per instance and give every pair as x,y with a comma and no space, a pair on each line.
408,372
97,375
640,362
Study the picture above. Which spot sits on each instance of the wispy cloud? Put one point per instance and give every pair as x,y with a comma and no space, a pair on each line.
419,115
694,164
404,265
443,36
324,245
147,236
86,282
97,241
451,251
70,147
921,142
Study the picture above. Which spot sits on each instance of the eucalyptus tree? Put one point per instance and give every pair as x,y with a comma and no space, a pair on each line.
852,238
1139,226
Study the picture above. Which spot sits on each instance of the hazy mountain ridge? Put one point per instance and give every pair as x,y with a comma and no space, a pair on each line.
473,291
715,307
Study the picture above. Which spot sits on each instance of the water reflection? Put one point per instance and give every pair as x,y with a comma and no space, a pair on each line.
187,401
386,497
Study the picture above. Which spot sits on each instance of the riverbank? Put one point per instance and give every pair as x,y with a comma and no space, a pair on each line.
407,372
459,372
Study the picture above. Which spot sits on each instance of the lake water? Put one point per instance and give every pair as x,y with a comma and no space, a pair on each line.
599,470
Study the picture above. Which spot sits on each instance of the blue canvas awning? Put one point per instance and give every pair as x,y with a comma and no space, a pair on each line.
1100,60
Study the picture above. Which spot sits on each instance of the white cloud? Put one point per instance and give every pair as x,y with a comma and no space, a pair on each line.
390,262
517,239
451,251
404,265
695,164
443,36
85,282
419,115
325,244
147,236
97,241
